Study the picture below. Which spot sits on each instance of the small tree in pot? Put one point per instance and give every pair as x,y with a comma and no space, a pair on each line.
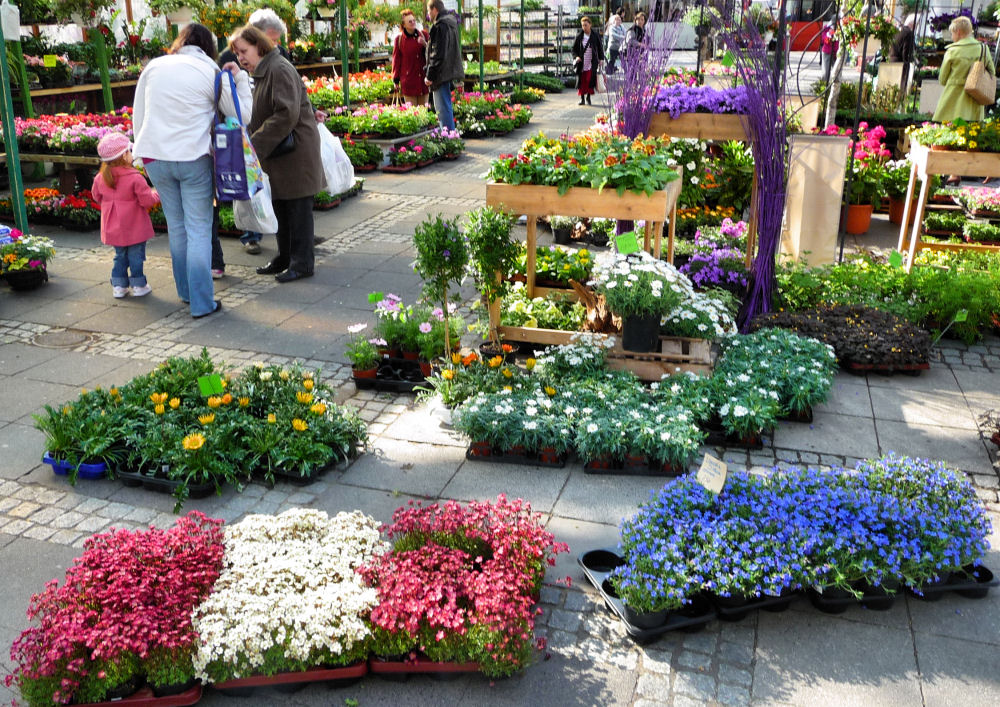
493,254
442,259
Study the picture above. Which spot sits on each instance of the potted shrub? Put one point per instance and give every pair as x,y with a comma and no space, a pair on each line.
404,158
85,437
442,259
364,155
641,290
392,321
323,201
24,259
867,183
493,254
896,179
362,354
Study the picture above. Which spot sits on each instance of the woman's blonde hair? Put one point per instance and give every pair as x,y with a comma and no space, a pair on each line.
961,25
107,169
252,36
403,17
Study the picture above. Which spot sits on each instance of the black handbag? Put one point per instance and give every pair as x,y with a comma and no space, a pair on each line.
284,147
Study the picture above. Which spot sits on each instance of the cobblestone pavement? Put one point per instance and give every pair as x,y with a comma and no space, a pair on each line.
71,334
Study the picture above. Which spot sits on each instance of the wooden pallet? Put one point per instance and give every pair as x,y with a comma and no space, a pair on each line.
677,354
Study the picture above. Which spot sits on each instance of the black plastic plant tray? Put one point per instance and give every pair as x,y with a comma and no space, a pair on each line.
395,375
838,605
597,566
161,485
619,468
805,417
717,437
530,459
910,369
969,588
737,613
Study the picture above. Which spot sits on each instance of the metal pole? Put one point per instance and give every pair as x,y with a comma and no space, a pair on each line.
700,34
779,50
854,137
356,36
345,69
13,155
520,76
481,71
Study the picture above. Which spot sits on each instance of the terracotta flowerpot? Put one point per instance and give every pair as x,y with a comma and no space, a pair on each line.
367,373
480,449
859,219
426,369
411,355
896,206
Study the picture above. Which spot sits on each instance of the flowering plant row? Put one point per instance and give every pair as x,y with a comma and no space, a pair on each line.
594,159
25,252
973,137
270,419
417,328
50,206
553,312
380,120
365,87
890,520
557,264
719,258
70,134
122,615
566,400
461,582
979,200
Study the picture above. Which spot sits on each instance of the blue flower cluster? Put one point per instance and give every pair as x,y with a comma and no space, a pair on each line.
895,519
679,99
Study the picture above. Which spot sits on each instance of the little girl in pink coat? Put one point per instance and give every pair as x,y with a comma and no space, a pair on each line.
125,199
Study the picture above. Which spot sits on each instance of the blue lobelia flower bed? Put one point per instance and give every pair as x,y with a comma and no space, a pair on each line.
679,99
890,521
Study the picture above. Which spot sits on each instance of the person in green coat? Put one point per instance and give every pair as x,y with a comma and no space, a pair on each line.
962,53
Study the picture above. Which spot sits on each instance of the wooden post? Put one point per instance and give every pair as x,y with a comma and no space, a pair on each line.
531,243
901,246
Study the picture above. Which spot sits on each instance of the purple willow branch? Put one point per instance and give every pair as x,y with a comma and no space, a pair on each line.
765,124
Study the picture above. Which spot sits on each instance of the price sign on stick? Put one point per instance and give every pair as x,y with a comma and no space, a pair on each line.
627,243
712,474
49,61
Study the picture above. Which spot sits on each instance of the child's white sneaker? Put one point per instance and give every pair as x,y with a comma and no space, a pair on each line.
118,292
141,291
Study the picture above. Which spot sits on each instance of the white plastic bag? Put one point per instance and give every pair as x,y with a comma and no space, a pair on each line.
256,214
10,18
336,164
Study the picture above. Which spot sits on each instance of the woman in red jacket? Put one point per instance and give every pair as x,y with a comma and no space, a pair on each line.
409,60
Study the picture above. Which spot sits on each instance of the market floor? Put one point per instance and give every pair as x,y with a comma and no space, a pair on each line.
72,334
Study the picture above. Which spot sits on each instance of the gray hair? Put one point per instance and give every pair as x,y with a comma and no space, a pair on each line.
266,19
961,25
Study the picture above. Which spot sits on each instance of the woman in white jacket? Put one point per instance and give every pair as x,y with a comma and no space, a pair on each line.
172,122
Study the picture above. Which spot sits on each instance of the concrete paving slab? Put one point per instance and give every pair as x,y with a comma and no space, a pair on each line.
63,312
378,503
981,389
42,475
939,378
813,659
896,617
305,292
18,357
417,425
922,407
362,261
407,467
128,320
128,370
539,486
352,299
21,448
266,311
28,565
954,616
958,672
59,286
337,275
581,536
847,398
74,369
378,247
21,399
959,448
604,499
830,434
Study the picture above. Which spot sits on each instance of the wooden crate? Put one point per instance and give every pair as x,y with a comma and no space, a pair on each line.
533,199
702,126
677,354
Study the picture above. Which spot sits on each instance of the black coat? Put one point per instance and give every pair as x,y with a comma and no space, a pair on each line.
596,48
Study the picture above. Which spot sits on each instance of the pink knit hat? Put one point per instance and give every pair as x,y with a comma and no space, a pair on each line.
112,146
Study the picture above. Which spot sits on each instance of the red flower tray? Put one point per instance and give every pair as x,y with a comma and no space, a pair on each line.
145,698
399,168
911,368
358,670
420,666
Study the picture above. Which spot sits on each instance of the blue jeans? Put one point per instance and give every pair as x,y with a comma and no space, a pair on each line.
250,237
127,268
442,105
186,193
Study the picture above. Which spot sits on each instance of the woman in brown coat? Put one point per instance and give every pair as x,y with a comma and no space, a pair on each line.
281,109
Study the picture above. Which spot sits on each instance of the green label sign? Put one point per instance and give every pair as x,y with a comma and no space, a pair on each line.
627,243
210,385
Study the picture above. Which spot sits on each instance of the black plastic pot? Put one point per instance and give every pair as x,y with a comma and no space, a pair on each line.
645,619
174,689
641,334
880,597
562,236
23,280
981,576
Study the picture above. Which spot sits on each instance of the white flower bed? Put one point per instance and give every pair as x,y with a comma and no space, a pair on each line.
288,597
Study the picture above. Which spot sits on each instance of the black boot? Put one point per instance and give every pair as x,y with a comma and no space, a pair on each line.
581,100
588,99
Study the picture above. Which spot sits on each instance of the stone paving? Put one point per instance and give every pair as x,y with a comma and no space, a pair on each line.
914,654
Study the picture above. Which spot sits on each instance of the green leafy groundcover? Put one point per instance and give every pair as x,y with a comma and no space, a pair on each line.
927,296
890,520
269,418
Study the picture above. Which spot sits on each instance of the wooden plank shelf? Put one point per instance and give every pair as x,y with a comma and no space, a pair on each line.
700,126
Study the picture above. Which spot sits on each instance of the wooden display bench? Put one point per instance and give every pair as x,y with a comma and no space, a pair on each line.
925,163
67,166
125,93
677,355
533,201
712,126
